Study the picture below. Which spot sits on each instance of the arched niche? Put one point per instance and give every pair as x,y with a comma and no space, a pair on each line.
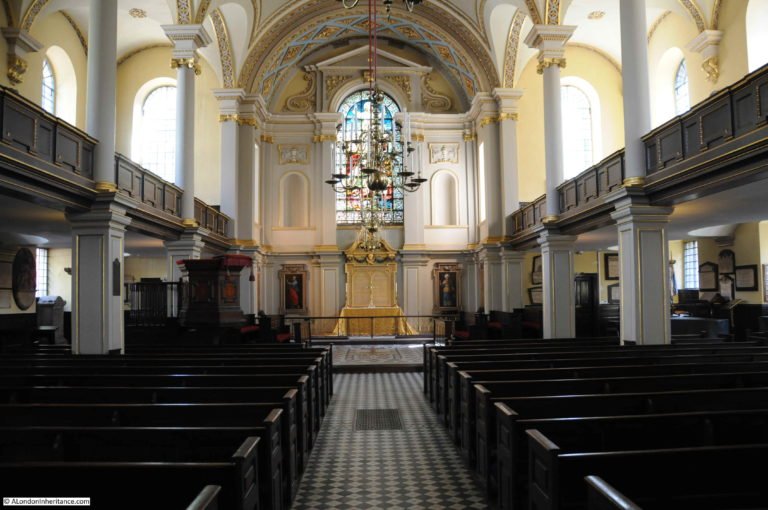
294,200
444,198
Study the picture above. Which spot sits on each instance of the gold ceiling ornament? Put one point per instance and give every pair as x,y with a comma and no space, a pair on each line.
202,10
335,81
10,15
550,61
409,4
657,23
404,82
225,49
17,66
431,98
190,63
304,101
711,68
510,51
137,13
595,15
553,12
715,19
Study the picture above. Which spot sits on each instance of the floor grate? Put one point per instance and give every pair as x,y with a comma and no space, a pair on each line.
378,419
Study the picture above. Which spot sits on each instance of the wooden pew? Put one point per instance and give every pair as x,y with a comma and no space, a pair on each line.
622,432
485,419
295,434
122,485
208,499
153,444
698,477
602,496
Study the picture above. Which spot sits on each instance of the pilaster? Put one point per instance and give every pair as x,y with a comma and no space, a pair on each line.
559,316
513,263
508,104
325,144
189,246
229,111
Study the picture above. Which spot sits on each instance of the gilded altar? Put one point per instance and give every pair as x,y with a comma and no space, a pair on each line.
371,290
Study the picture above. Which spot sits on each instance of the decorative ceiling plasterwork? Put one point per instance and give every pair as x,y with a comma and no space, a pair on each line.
202,10
433,100
695,13
31,13
184,12
715,21
553,12
304,101
401,81
657,23
510,51
333,82
225,49
425,35
480,14
533,10
77,30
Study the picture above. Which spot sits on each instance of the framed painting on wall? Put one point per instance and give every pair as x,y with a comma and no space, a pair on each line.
535,295
611,261
726,261
447,287
614,294
536,270
708,277
293,289
746,277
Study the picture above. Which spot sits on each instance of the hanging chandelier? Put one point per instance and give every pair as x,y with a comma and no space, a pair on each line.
373,153
409,4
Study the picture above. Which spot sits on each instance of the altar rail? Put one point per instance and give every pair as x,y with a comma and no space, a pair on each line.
324,326
152,303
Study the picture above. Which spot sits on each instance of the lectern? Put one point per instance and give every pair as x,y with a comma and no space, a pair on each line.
212,293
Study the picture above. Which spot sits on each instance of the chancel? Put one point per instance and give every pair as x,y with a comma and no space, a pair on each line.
384,253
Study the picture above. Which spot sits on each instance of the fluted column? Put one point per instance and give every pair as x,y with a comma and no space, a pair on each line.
637,97
550,41
187,39
229,108
100,95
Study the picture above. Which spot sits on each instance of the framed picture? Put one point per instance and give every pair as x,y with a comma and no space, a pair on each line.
726,261
746,277
614,294
536,270
534,294
443,152
24,278
447,287
293,154
708,277
293,289
611,261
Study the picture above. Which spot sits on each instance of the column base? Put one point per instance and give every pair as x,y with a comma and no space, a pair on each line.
106,187
190,223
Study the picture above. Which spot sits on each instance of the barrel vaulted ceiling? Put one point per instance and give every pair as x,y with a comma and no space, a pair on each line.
256,42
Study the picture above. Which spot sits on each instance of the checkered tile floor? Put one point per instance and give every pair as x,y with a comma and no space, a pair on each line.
414,468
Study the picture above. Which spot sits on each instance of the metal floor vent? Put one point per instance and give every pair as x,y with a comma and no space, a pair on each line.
378,419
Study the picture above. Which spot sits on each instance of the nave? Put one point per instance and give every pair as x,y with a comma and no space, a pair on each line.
414,467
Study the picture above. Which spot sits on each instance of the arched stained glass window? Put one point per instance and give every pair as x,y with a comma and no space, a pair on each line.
49,88
158,133
578,146
356,118
682,97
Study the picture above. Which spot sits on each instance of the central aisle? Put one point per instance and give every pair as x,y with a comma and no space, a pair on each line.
410,468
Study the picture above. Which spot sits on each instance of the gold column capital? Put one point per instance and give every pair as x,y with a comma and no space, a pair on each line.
324,138
190,63
229,117
106,187
548,62
267,139
247,121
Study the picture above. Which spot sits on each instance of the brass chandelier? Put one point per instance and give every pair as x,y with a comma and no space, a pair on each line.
409,4
372,151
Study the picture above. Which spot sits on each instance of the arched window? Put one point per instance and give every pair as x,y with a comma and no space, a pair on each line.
757,35
578,137
682,98
157,135
356,115
48,101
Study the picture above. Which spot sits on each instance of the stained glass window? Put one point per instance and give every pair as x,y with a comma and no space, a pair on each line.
356,117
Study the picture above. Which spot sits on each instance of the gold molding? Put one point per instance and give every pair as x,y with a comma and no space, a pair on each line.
510,50
552,218
417,138
407,247
105,187
552,61
711,68
494,119
327,248
323,138
247,121
190,63
17,66
267,139
250,243
469,137
189,223
633,182
229,117
224,44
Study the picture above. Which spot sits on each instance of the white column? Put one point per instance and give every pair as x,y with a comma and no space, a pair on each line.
100,96
514,279
413,201
247,197
550,41
507,100
472,197
186,40
189,246
643,272
98,240
637,98
489,167
229,107
494,279
557,285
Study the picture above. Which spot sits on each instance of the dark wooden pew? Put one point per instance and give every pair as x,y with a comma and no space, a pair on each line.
153,444
621,432
695,477
122,485
485,426
602,496
208,499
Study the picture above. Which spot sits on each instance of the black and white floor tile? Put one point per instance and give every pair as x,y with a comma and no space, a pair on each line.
414,468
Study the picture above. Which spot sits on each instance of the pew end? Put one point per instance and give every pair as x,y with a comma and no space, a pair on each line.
602,496
208,499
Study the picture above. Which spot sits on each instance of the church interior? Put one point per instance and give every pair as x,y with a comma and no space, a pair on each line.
367,254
